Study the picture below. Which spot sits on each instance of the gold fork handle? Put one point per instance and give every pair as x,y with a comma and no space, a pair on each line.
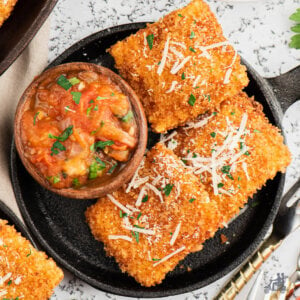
246,272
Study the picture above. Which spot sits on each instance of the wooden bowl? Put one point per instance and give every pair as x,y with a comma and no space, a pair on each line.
123,175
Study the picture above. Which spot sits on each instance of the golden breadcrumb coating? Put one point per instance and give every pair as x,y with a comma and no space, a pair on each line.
183,205
189,69
6,7
25,273
234,153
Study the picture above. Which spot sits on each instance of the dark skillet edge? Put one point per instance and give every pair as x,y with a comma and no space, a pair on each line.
277,113
28,36
12,219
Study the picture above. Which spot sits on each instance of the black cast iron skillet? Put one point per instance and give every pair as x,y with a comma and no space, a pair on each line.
19,29
59,224
7,214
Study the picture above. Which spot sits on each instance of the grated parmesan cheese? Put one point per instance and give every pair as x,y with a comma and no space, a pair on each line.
169,256
175,234
120,237
140,230
117,203
172,88
155,191
164,57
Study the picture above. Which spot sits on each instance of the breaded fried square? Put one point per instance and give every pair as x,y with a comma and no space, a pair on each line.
162,215
25,273
180,66
234,151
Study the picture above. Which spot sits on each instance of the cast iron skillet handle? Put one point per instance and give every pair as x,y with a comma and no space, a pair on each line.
286,87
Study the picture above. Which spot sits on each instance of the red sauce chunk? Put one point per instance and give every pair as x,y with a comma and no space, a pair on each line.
80,127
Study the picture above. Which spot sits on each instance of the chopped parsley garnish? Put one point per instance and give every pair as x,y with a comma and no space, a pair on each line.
167,189
239,178
182,76
192,100
150,39
102,98
112,168
214,113
139,215
91,101
64,82
192,49
35,116
220,185
76,97
96,108
180,15
101,163
192,35
230,176
232,113
255,130
29,253
194,155
213,134
156,259
101,145
145,199
74,80
184,161
102,124
247,153
9,283
112,94
128,117
75,182
56,147
135,235
64,135
225,169
192,200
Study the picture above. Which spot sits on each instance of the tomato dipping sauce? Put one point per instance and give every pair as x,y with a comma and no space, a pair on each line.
79,128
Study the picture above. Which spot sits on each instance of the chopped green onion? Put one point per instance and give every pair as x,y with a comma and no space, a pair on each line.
88,111
128,117
156,259
247,153
56,147
101,145
180,15
91,101
192,35
150,39
29,253
192,100
102,98
112,94
208,97
64,82
101,163
56,179
220,185
213,134
194,155
232,113
9,283
35,116
74,80
214,113
76,97
225,169
112,168
135,235
64,135
139,215
96,108
192,200
75,182
182,76
255,130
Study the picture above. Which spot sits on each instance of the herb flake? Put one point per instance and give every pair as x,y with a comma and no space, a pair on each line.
64,82
150,39
167,189
192,100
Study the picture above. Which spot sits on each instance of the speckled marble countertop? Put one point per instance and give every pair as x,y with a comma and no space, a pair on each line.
260,31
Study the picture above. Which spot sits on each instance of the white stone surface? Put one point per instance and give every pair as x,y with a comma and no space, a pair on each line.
260,30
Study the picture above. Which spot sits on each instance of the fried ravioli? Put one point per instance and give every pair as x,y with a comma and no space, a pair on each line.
162,215
25,273
234,151
6,7
180,66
